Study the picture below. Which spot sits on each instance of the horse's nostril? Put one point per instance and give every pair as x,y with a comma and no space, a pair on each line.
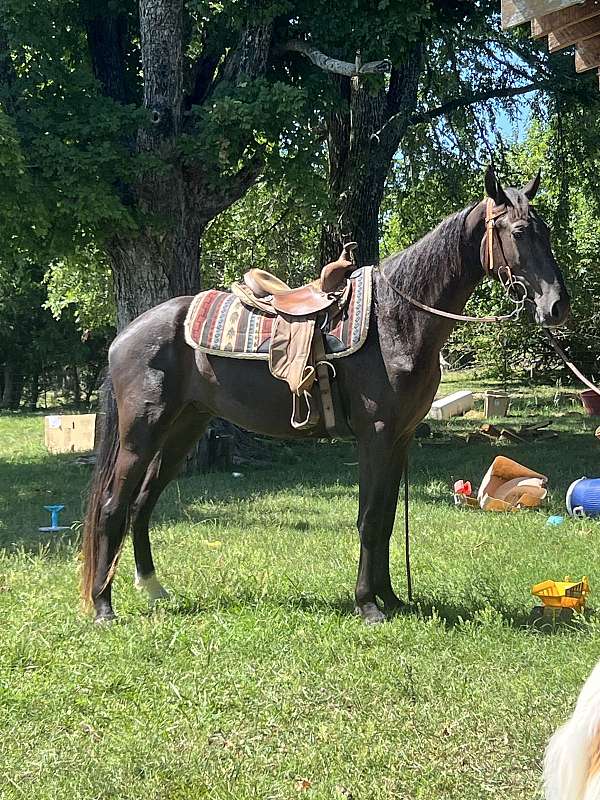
560,309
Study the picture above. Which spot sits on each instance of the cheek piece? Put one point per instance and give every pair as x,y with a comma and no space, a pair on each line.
514,287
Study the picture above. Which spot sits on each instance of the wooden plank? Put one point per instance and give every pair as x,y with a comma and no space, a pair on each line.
515,12
579,32
587,54
543,25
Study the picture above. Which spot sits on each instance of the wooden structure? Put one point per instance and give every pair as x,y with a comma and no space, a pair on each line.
564,22
70,433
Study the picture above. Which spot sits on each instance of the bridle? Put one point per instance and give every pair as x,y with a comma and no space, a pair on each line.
514,288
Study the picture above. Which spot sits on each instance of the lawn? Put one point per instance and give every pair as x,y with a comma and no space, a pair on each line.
255,680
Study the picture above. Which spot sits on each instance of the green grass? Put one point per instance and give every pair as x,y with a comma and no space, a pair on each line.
255,680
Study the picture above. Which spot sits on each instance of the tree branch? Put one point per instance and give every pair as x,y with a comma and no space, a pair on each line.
476,97
161,37
249,59
401,100
229,188
328,64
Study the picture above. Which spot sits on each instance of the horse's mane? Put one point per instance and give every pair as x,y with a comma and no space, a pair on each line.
430,262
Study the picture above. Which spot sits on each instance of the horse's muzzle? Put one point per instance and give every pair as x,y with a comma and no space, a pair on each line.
553,313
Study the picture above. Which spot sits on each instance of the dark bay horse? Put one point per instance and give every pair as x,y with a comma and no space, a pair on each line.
161,393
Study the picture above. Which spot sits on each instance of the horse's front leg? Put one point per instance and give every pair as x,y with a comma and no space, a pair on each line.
381,463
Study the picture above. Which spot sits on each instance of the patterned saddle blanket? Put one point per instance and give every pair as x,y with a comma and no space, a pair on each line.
219,324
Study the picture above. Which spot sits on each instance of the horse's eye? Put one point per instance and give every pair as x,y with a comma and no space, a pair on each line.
518,234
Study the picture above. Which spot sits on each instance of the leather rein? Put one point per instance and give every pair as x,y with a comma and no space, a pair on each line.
514,288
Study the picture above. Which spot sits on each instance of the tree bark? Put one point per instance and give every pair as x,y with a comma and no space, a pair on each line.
364,133
152,267
13,387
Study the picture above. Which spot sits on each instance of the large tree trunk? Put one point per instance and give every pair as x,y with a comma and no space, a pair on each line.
13,387
175,201
150,268
364,132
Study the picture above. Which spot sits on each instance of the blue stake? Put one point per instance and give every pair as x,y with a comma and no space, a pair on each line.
54,512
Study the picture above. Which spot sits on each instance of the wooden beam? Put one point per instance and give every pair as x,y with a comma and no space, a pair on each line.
515,12
574,33
587,54
543,25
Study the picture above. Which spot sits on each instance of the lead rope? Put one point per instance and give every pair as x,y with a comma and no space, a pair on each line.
558,349
407,534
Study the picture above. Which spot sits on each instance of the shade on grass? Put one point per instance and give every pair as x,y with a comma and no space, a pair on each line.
255,680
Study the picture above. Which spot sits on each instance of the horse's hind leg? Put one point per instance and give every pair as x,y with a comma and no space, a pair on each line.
113,523
186,431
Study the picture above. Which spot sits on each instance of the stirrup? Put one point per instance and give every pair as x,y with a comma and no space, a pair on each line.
312,415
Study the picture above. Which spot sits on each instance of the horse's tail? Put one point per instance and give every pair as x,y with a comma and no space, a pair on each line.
106,457
572,761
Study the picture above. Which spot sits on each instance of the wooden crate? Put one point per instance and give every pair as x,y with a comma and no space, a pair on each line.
69,433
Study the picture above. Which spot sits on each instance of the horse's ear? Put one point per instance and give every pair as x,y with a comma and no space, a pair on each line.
532,187
494,189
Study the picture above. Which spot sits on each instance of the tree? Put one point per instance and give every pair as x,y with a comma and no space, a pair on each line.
137,127
445,58
131,127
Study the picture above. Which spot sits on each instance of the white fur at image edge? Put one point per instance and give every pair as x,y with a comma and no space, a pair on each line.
572,761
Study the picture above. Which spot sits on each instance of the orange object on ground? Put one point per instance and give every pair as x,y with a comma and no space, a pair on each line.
563,594
509,486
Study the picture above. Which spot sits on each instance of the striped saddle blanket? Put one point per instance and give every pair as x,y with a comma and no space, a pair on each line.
219,324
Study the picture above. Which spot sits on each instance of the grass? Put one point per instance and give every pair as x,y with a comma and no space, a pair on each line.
255,680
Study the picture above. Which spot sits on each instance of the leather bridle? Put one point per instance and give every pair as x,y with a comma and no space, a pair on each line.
514,287
511,285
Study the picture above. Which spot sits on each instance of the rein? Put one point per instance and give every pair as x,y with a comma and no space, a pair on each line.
503,273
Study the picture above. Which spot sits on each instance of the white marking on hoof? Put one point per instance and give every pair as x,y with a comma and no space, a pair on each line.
152,586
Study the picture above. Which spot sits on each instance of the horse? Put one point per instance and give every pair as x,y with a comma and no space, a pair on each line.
572,758
160,393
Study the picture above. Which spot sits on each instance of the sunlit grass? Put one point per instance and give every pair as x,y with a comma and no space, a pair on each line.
255,680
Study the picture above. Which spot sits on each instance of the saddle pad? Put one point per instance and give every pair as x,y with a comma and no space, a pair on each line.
219,324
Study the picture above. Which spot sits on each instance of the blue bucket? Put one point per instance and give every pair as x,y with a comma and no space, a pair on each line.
583,498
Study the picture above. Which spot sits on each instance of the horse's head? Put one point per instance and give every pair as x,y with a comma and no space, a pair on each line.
521,241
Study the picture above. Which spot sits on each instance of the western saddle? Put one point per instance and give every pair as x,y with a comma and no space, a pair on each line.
296,348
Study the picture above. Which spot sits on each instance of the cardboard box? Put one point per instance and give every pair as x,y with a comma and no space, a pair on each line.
69,433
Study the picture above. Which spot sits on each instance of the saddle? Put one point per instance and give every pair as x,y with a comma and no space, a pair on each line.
296,348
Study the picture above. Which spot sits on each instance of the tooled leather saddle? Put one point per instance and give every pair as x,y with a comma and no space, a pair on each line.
297,350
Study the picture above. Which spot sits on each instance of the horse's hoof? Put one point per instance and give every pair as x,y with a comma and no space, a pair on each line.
105,617
371,614
152,586
393,609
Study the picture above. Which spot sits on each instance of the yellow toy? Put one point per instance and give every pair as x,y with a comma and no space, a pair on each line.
564,597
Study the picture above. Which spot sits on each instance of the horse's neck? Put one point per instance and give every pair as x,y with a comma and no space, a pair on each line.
422,333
